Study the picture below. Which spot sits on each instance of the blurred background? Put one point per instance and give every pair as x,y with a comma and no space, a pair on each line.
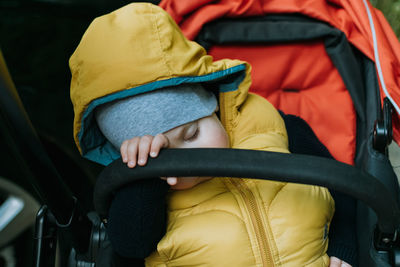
391,10
37,38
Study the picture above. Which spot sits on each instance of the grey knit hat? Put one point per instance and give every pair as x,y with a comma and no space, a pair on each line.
154,112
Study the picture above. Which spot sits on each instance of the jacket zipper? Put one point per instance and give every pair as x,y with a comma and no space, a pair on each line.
254,212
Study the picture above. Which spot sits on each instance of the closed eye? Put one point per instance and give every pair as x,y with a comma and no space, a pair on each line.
192,133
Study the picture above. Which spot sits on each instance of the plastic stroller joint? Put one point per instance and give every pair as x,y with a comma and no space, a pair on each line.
383,131
45,238
80,227
385,241
46,234
98,241
389,243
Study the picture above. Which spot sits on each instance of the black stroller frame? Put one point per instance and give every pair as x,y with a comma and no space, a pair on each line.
372,182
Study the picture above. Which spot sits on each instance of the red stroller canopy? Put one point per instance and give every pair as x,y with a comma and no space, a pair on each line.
365,28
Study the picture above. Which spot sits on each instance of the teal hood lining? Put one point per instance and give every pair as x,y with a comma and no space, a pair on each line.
93,144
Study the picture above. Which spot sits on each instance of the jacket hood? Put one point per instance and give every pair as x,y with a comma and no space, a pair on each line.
136,49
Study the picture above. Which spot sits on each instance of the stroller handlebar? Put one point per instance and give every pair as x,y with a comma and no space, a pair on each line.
240,163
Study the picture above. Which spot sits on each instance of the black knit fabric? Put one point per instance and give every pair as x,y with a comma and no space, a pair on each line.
342,236
137,218
119,261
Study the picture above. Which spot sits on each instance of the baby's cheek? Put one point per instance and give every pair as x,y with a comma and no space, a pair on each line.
219,140
222,140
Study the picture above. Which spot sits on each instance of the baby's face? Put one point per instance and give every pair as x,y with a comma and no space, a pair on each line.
206,132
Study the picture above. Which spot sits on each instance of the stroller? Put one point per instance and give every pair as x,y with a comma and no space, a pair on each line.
323,58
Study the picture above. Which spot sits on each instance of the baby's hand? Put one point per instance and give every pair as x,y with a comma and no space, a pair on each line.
335,262
182,183
137,150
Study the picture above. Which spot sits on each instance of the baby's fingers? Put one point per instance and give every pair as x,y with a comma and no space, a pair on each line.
336,262
124,151
144,149
129,151
159,141
170,180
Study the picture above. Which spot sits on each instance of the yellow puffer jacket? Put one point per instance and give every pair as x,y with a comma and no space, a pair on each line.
245,222
224,221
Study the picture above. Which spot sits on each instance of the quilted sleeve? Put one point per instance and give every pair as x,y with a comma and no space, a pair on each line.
259,126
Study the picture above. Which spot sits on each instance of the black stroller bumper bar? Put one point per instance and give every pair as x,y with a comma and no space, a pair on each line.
292,168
